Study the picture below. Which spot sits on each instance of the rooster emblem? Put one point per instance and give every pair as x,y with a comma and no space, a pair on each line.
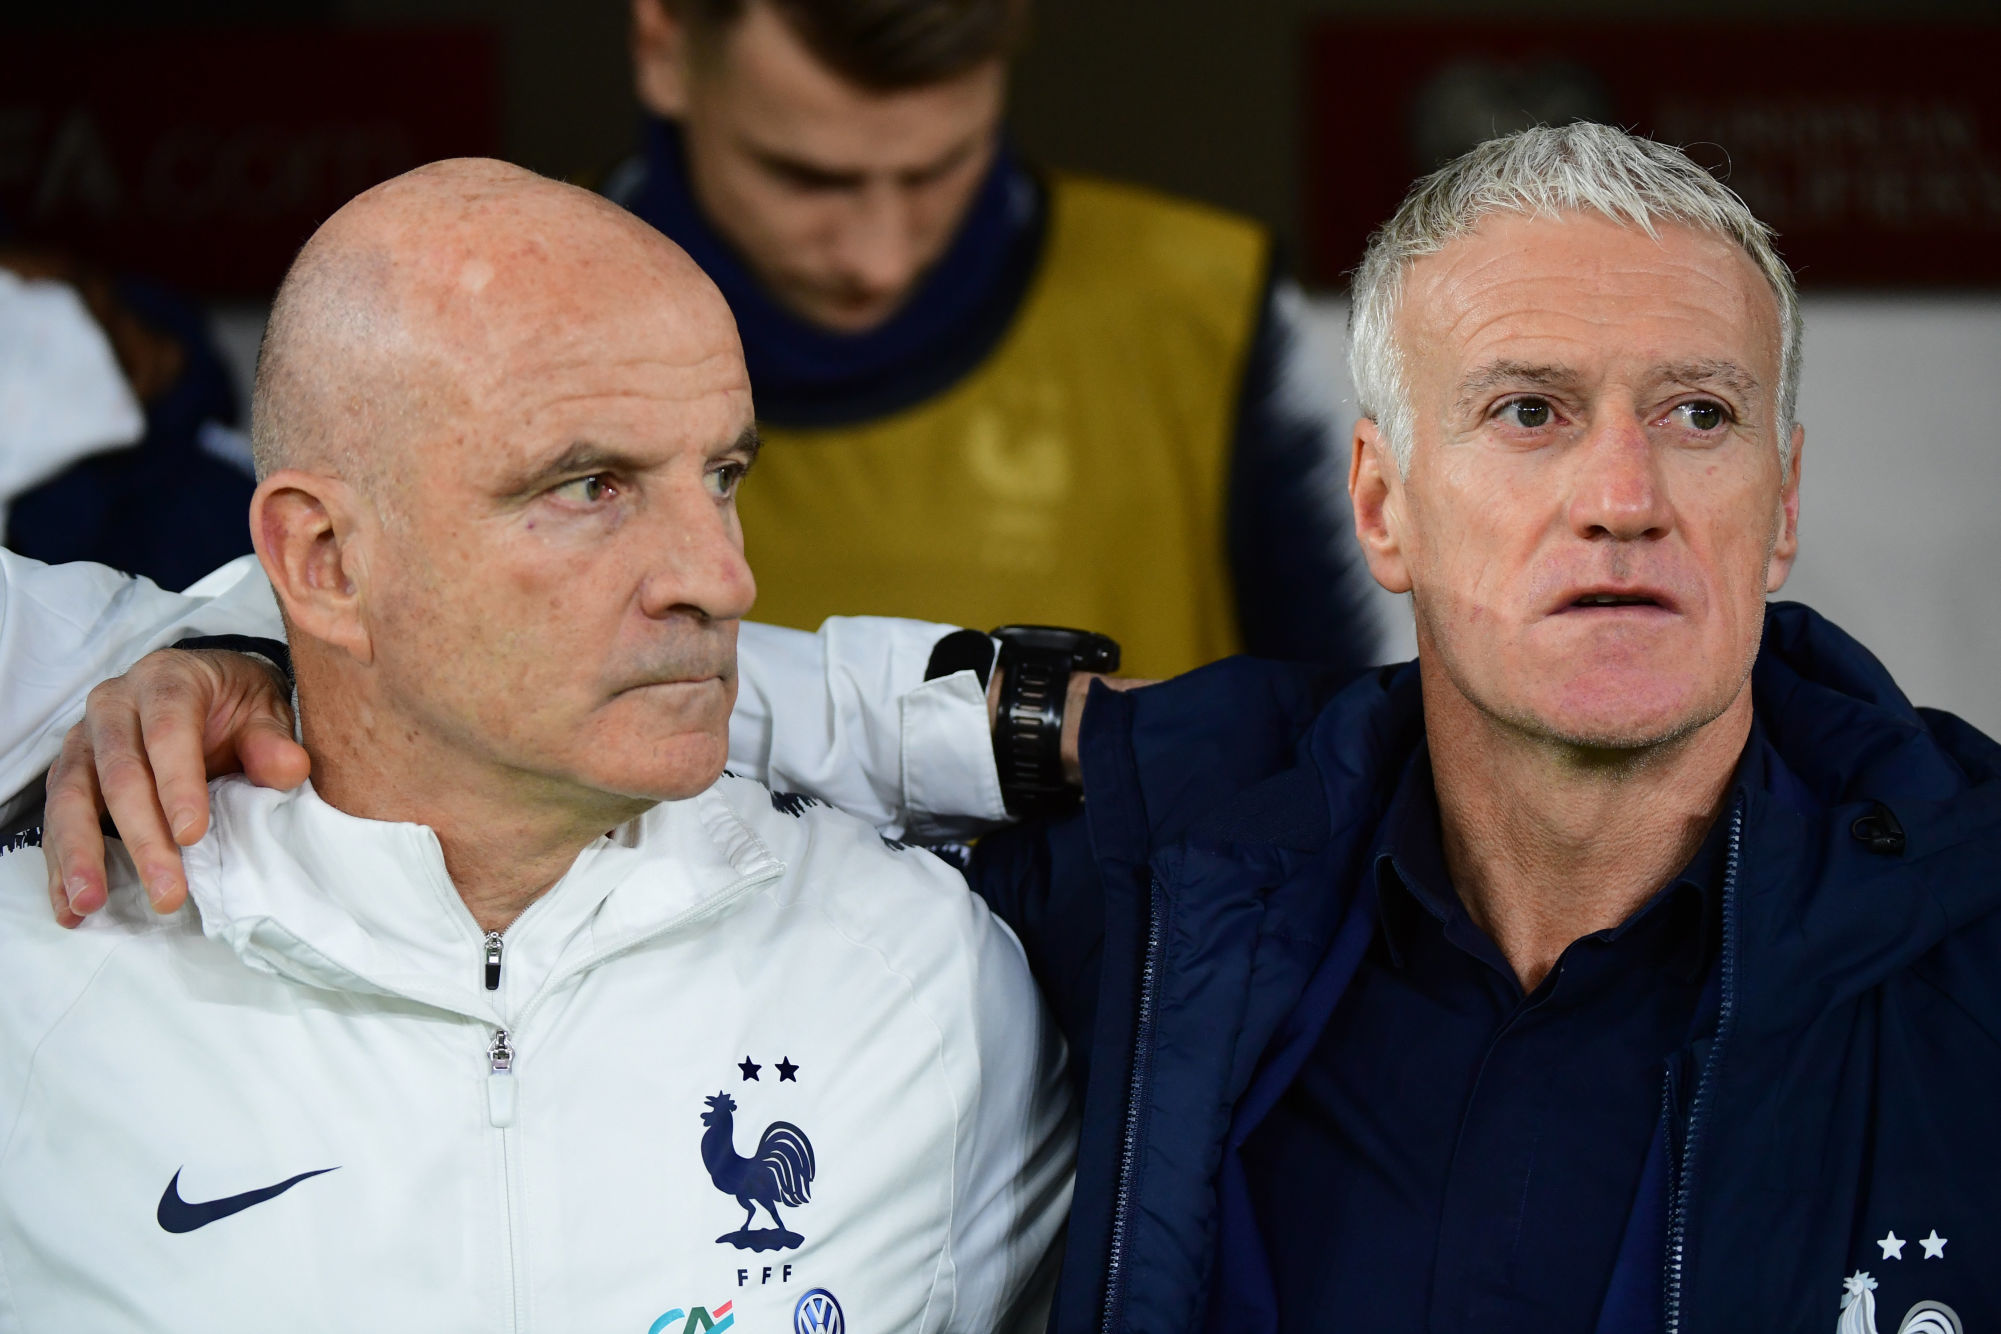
780,1172
1858,1311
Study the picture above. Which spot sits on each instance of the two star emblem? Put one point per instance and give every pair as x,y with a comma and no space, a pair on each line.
788,1073
1893,1245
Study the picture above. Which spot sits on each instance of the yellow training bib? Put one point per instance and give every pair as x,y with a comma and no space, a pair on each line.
1077,477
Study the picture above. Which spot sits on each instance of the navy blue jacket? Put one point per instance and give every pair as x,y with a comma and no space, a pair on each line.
1195,924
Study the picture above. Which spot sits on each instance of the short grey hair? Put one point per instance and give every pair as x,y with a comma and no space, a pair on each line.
1548,172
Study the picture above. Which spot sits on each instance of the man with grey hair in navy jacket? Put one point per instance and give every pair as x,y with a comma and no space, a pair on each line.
1627,962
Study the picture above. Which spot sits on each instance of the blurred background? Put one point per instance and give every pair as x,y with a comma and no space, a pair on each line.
162,161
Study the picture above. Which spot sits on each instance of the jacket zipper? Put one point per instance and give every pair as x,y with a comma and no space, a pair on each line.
500,1079
500,1108
1673,1177
500,1111
493,943
1136,1095
501,1091
1684,1176
501,1094
499,1052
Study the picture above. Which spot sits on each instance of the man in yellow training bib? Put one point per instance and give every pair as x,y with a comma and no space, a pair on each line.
990,393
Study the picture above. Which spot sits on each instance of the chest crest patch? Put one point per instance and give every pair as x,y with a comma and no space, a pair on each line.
1858,1311
777,1174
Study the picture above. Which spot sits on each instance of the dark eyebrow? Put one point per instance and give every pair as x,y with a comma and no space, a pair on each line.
801,172
807,173
749,444
1516,373
941,165
1723,374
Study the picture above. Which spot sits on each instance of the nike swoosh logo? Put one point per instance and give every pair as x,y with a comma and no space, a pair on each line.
179,1215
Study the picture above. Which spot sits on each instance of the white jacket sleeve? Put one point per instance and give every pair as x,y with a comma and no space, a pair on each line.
844,715
64,628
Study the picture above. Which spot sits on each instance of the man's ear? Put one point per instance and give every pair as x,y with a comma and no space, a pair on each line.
1375,488
306,529
1787,548
659,59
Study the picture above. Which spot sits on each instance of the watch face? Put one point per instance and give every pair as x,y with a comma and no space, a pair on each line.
1040,636
1087,652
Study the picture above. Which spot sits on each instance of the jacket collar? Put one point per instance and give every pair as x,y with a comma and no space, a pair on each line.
1411,878
1841,739
1825,912
308,892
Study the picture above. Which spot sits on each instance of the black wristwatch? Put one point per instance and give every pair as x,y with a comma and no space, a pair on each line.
1036,662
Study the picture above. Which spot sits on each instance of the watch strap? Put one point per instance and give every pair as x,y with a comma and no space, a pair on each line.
1036,663
1028,737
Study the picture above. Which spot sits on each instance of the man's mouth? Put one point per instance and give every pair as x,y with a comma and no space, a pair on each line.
1615,600
716,679
1602,599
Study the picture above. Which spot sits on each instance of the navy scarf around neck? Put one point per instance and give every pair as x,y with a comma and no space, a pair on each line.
804,375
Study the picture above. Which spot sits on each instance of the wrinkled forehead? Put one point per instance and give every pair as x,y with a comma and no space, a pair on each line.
1586,290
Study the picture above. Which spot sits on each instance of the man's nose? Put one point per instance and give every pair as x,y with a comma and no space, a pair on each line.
879,244
1617,490
699,566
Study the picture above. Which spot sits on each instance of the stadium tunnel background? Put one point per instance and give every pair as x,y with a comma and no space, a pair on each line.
1901,398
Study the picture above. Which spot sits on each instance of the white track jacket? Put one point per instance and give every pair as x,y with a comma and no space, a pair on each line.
758,1067
746,1066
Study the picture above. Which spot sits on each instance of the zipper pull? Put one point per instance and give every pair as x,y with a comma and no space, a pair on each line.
493,961
500,1080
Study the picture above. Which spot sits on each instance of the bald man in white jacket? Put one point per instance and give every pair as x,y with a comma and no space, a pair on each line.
515,1017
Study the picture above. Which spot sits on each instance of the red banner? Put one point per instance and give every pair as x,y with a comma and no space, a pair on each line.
1874,150
206,158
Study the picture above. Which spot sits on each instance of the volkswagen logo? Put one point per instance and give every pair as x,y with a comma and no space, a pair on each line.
818,1313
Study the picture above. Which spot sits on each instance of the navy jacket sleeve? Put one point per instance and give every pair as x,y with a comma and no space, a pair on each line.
1302,591
1077,891
1043,881
1155,761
